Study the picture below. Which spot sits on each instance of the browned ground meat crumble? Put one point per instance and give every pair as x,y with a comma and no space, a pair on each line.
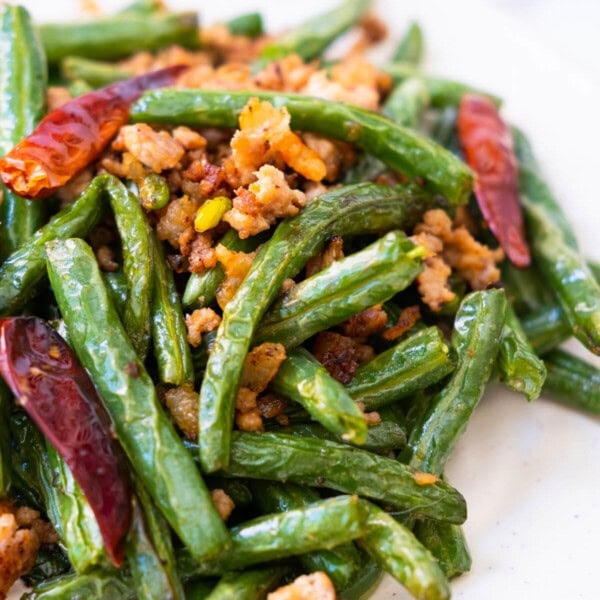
316,586
407,318
451,248
260,367
223,503
22,532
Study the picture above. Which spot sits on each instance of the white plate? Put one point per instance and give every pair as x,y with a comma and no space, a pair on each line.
529,471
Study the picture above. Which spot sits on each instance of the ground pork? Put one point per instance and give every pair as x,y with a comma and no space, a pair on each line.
290,74
200,251
316,586
265,136
337,156
236,266
272,406
157,150
182,402
176,219
56,96
260,367
337,353
333,251
321,86
373,28
230,76
143,62
229,47
408,317
247,414
223,503
267,199
471,260
21,534
202,320
105,256
188,139
368,322
371,418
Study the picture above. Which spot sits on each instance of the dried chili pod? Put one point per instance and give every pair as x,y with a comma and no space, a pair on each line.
488,148
73,135
57,393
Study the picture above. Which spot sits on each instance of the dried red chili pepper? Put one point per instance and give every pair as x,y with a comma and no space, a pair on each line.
488,148
69,138
57,393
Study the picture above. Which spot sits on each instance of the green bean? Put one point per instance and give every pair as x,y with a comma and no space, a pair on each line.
525,288
79,87
98,585
199,589
524,150
24,268
404,106
149,552
396,550
572,381
249,24
340,563
37,464
294,241
248,585
95,73
475,339
533,186
146,433
154,192
407,102
381,438
442,128
364,583
594,267
159,534
306,381
520,368
201,288
447,544
277,457
113,37
347,287
322,525
5,442
401,149
116,286
137,265
23,79
72,515
311,37
50,562
546,328
169,335
442,92
566,271
143,7
410,49
413,364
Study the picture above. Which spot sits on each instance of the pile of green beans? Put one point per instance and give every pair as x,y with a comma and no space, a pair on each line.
322,489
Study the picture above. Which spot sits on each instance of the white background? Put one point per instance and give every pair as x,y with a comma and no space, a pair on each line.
530,472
